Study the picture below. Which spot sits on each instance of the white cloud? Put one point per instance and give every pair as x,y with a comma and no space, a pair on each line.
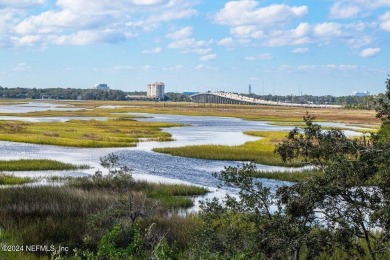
358,42
268,24
147,68
21,3
279,24
300,50
227,42
183,33
204,67
263,56
209,57
247,31
118,20
299,35
183,40
51,21
86,37
327,30
173,68
236,13
343,9
152,51
385,21
327,68
21,67
147,2
121,68
369,52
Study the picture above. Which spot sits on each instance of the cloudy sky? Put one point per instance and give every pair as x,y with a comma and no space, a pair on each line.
279,47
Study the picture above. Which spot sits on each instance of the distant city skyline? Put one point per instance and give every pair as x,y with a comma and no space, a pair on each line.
278,47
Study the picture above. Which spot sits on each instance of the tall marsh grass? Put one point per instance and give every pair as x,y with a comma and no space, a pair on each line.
79,213
13,180
293,176
84,133
39,215
260,151
170,195
38,165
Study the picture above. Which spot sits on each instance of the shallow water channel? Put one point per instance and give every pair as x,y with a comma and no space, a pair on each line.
149,165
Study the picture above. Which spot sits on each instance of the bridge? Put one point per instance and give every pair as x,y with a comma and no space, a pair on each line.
231,98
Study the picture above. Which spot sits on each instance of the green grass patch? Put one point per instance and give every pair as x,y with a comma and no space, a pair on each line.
13,180
260,151
169,195
38,165
293,176
79,133
174,195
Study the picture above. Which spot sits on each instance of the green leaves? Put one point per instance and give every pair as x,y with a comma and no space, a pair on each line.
316,146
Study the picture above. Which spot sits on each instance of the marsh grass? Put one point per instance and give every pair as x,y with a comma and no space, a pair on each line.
89,133
6,179
68,215
260,151
169,195
49,215
10,239
38,165
173,195
293,176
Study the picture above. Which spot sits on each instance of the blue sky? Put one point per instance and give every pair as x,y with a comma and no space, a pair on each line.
279,47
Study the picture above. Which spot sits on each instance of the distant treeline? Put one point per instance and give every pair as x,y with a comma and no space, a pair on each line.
62,93
354,102
80,94
367,102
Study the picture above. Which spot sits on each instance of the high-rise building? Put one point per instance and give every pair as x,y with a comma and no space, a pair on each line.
156,89
360,94
101,86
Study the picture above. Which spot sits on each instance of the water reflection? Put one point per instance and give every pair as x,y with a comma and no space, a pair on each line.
35,107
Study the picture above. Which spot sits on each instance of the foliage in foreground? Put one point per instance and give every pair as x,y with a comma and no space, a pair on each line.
102,217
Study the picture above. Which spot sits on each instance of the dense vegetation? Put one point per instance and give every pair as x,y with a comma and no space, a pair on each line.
79,94
62,93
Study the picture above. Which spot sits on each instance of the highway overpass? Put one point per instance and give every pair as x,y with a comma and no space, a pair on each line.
231,98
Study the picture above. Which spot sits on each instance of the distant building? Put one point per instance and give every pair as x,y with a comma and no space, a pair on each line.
156,90
101,86
360,94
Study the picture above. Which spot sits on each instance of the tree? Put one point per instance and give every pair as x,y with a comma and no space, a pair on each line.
352,196
383,112
254,226
315,146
